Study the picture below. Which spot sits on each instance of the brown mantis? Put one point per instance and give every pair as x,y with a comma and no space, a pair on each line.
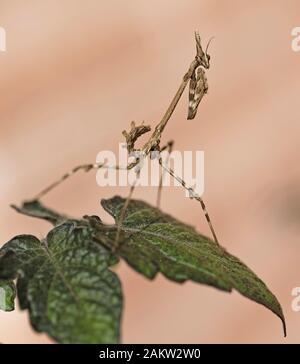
198,83
198,87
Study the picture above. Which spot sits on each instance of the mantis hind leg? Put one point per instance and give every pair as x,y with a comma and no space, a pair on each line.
82,167
193,195
122,217
169,148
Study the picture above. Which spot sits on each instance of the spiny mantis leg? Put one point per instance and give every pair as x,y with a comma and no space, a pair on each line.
192,195
169,148
122,216
83,167
139,164
87,168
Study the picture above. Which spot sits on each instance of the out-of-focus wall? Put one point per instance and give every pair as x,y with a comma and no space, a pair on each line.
77,72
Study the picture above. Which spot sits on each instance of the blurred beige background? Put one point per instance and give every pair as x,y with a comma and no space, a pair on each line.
77,72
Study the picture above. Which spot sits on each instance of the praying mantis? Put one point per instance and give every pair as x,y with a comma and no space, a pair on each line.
198,87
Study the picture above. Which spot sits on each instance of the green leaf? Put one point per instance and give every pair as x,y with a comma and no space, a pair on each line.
36,209
7,295
65,283
153,242
69,268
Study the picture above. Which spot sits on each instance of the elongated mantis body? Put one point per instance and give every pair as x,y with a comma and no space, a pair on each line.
198,87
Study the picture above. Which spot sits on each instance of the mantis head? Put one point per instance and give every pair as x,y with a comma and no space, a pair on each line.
202,57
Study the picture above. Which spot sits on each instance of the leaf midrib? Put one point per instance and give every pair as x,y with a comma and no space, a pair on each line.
59,271
147,232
